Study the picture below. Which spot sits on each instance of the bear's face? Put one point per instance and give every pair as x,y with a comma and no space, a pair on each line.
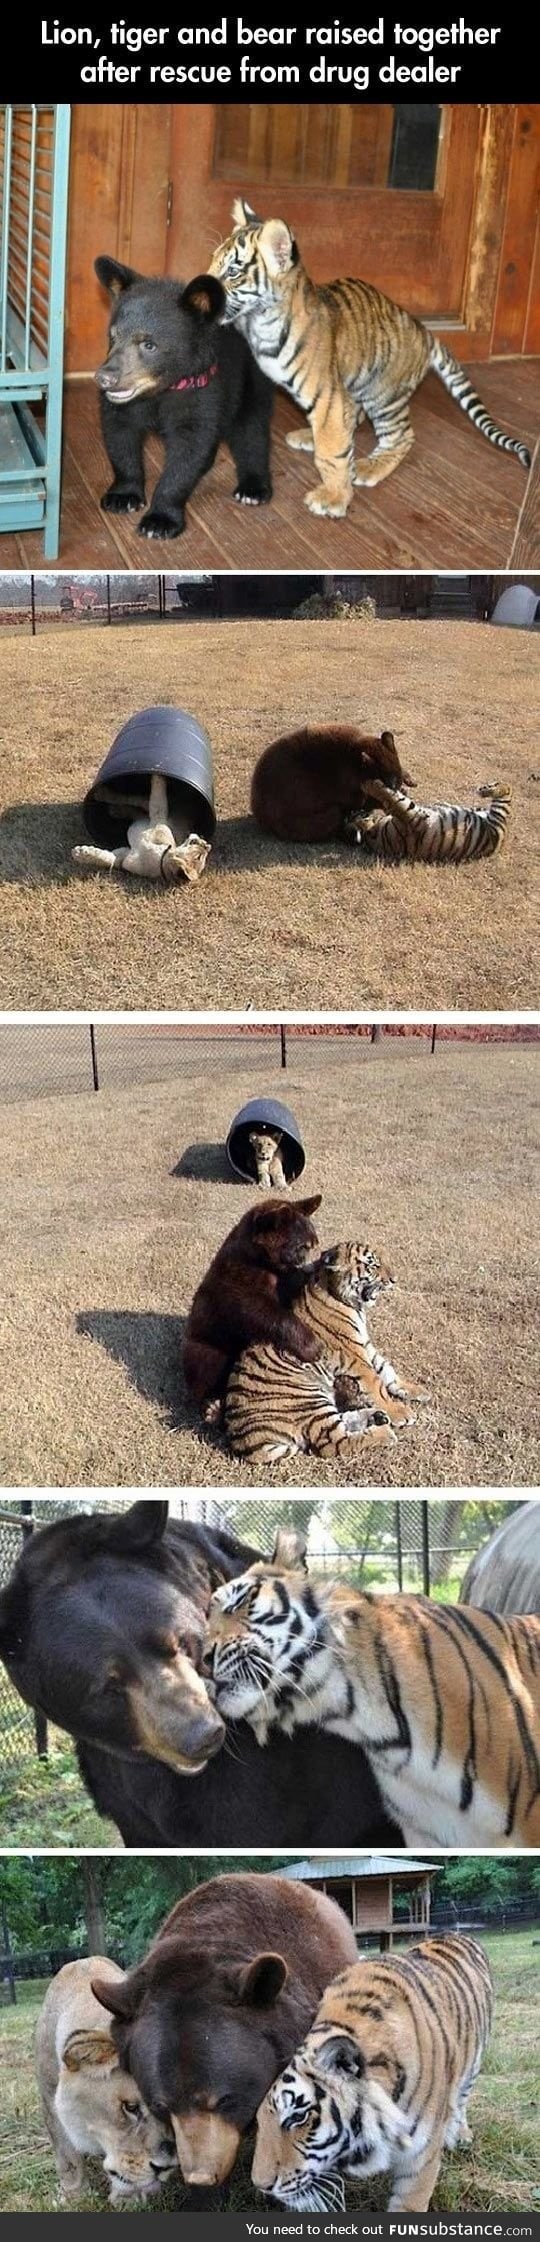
105,1636
203,2036
160,333
282,1235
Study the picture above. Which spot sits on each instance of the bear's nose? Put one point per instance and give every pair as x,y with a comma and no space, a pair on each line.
106,377
203,1735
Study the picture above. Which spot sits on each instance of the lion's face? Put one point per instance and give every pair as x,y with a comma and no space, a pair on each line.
104,2114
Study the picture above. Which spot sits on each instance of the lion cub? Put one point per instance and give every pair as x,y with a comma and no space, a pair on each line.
265,1145
90,2105
159,845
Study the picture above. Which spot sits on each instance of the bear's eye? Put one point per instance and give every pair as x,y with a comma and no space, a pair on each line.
148,342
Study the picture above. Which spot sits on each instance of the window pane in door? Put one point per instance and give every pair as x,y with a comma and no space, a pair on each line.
328,146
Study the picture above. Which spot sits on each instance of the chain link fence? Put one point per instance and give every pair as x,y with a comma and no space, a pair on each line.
100,597
50,1060
417,1545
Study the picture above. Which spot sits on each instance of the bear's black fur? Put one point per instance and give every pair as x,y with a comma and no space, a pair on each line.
162,334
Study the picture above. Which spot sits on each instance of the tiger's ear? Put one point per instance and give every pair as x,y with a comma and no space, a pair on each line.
289,1551
341,2056
243,214
278,246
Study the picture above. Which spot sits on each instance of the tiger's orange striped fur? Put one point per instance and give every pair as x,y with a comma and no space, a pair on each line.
276,1405
341,350
382,2081
444,1701
396,827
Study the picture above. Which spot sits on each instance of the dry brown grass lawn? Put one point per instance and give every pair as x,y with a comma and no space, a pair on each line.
103,1245
270,926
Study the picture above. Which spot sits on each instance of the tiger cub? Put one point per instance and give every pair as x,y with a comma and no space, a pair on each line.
444,1701
382,2081
270,1171
276,1406
444,834
341,350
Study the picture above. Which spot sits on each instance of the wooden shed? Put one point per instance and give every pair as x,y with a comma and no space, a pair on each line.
385,1895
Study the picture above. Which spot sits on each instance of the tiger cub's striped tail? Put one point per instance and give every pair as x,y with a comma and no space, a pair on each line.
456,380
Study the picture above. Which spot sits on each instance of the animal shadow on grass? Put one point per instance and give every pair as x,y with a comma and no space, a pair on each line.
150,1348
241,846
206,1163
36,840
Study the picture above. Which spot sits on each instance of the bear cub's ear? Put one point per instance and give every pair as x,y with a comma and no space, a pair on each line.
116,278
204,296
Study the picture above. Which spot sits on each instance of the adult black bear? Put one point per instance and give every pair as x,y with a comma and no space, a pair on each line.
222,2000
172,371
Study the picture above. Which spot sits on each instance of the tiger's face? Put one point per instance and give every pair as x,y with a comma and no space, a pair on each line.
253,260
325,2116
262,1627
353,1273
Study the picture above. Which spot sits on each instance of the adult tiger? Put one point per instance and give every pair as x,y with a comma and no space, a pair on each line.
276,1406
382,2081
444,1701
341,350
397,827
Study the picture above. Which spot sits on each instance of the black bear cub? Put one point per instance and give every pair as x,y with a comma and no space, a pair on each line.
173,372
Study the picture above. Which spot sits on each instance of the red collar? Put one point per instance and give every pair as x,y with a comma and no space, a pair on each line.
196,381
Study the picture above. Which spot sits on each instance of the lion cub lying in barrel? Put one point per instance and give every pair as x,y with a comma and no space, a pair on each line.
159,845
90,2104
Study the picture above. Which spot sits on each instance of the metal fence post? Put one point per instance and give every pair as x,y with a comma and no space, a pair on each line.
399,1548
283,1038
40,1724
425,1548
33,604
433,1036
93,1050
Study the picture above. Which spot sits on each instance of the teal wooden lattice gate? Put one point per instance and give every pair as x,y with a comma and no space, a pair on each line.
34,159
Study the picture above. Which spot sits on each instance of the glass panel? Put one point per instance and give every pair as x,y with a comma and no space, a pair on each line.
377,146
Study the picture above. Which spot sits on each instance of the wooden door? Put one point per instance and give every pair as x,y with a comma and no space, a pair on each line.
383,192
118,207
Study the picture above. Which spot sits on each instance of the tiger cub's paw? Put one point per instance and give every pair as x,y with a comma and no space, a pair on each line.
321,501
299,440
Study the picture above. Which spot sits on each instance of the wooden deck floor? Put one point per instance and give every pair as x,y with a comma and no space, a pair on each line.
455,502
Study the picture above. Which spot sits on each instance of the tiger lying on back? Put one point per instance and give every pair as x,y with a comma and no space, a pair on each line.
381,2083
341,350
445,1701
444,834
275,1405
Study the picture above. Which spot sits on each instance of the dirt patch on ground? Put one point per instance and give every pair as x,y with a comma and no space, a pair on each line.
269,926
104,1241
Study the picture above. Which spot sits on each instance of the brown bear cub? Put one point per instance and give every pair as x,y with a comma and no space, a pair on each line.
308,785
248,1295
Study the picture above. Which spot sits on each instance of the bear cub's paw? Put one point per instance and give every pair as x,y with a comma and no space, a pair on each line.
118,501
253,491
155,524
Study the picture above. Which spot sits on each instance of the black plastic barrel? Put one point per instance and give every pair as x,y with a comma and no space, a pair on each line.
163,739
265,1113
